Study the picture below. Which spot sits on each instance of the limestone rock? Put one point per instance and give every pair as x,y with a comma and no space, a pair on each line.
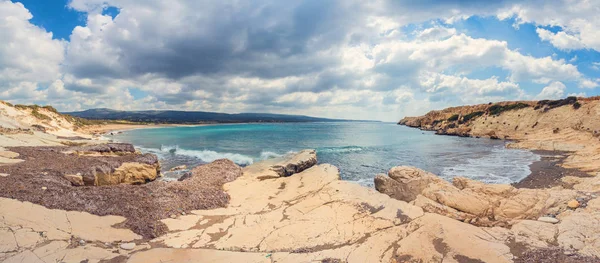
178,168
127,246
573,204
75,179
547,219
535,233
297,163
482,204
580,231
128,173
405,183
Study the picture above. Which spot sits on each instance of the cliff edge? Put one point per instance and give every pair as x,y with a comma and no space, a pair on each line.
569,125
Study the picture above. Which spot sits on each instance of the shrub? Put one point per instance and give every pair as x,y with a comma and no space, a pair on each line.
576,105
497,109
453,117
551,104
472,115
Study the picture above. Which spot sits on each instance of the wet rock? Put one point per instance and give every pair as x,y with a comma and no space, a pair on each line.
547,219
178,168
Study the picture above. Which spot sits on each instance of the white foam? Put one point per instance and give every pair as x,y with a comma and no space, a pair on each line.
345,149
204,155
501,166
269,155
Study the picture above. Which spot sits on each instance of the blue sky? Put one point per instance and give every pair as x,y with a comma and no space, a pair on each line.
343,59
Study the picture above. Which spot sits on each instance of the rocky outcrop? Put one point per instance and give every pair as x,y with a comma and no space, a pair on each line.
112,164
472,201
527,216
33,233
563,125
297,163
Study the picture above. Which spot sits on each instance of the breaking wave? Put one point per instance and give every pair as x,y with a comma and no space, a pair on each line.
204,155
501,166
208,156
345,149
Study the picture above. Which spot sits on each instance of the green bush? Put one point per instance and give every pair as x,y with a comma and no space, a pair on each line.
453,117
472,115
497,109
576,105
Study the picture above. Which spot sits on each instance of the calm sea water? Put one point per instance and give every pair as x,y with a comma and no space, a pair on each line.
360,149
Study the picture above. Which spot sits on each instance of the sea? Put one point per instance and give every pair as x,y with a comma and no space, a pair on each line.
360,150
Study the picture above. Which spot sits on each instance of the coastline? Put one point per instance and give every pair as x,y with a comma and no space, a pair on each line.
548,172
109,207
104,129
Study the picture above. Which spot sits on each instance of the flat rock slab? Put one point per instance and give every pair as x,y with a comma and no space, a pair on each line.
33,233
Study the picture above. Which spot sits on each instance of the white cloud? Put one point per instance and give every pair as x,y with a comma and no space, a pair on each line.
556,90
304,57
435,33
578,19
28,54
561,39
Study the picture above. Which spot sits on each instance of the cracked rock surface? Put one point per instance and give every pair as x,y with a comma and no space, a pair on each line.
309,216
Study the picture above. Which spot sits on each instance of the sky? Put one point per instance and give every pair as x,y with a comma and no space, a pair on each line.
353,59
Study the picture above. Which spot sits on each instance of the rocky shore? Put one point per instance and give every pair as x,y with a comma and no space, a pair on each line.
81,200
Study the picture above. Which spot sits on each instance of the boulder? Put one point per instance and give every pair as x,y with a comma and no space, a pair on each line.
127,173
547,219
405,183
573,204
480,203
178,168
127,246
75,179
298,163
108,148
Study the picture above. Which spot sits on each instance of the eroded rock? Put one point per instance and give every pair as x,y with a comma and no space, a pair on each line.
482,204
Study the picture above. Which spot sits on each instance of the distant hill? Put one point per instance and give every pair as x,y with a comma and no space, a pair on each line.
171,116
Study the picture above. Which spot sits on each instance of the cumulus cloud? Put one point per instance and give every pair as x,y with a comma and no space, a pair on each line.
556,90
333,58
28,54
578,20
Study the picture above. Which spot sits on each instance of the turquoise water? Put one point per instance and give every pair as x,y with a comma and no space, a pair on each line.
360,149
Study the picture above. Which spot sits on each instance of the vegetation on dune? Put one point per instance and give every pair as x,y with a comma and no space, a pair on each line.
576,105
453,117
35,111
472,115
551,104
497,109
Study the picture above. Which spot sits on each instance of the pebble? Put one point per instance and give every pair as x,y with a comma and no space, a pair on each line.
182,213
173,216
127,246
44,188
548,220
573,204
107,244
82,242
